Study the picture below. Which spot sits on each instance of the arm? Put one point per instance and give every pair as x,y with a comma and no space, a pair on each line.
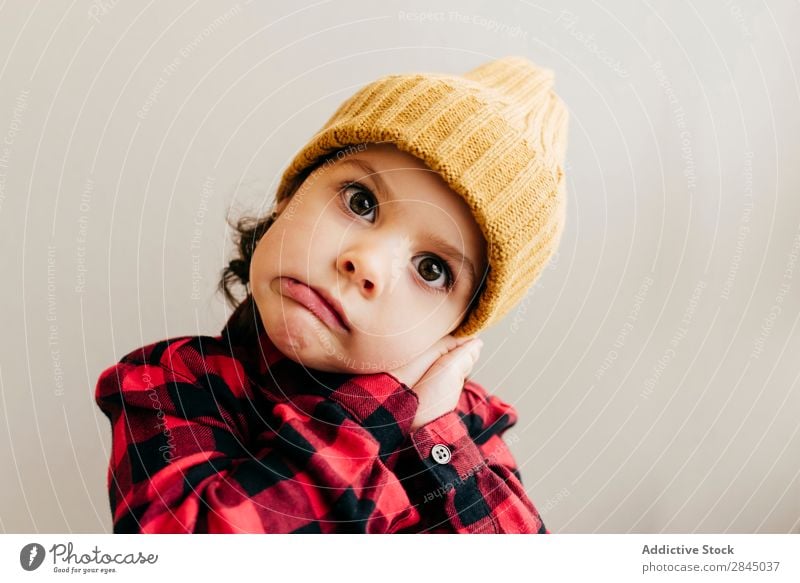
480,487
187,456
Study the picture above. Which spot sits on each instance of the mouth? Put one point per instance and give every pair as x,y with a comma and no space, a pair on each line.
316,300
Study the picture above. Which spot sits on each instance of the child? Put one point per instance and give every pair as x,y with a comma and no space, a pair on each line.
336,397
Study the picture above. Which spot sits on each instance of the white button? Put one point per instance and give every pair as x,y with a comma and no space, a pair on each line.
441,453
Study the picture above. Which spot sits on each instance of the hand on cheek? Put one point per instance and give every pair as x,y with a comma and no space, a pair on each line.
437,376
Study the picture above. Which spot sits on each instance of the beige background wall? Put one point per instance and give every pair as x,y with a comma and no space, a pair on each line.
654,366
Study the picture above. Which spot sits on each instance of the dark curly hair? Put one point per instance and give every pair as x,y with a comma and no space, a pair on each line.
248,232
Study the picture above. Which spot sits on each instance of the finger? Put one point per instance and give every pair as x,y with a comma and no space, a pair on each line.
445,345
475,348
423,361
462,359
452,342
475,354
436,350
472,344
460,342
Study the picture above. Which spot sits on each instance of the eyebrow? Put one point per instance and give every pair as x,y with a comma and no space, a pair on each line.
381,187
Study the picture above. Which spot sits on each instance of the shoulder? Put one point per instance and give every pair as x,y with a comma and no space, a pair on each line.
184,355
181,359
483,413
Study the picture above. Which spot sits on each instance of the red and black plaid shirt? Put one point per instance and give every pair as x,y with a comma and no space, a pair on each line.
216,434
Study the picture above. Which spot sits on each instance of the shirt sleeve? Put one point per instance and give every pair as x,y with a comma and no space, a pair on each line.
470,471
187,456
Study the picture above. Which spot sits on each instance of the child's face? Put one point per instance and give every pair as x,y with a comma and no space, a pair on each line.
375,252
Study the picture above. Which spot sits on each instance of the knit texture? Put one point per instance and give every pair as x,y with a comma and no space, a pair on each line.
498,137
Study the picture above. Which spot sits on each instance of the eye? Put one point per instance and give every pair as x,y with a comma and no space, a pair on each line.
360,202
433,269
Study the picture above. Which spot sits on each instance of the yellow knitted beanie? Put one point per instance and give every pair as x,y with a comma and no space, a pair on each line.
497,135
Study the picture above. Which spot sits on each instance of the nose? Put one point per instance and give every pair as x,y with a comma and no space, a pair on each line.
375,266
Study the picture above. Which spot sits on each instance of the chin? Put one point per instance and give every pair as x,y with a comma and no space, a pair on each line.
302,348
292,343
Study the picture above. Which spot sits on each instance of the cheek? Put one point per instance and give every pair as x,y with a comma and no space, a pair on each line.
433,312
258,261
413,316
285,246
314,226
402,342
380,354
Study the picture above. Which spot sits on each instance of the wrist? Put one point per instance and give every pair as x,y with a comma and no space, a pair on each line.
381,404
427,413
448,430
